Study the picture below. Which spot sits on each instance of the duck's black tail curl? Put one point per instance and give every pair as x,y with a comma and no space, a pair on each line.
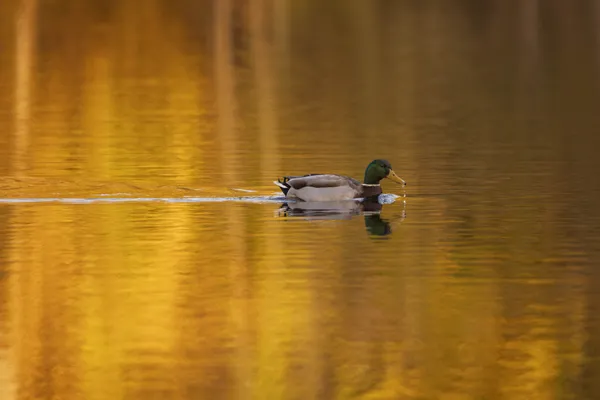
283,185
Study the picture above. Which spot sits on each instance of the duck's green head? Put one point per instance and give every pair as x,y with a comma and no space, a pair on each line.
379,169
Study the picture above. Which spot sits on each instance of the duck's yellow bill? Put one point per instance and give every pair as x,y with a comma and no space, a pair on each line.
392,176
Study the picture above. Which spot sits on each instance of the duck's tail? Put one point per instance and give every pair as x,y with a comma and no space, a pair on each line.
283,185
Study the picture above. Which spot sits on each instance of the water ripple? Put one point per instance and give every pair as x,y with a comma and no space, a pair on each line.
247,199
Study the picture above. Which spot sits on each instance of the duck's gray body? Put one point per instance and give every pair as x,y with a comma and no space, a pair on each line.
325,187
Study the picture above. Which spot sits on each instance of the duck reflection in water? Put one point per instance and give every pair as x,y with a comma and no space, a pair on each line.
331,210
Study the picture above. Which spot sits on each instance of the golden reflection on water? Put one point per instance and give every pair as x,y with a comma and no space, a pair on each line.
485,285
129,300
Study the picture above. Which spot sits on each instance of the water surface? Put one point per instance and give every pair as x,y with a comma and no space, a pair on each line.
145,252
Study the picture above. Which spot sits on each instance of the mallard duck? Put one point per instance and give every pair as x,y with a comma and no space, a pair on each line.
329,187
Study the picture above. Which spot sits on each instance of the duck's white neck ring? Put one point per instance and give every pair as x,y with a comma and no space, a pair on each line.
371,184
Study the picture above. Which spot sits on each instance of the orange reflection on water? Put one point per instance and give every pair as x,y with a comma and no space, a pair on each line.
488,289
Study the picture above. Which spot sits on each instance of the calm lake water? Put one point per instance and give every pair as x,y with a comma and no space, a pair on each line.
145,253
